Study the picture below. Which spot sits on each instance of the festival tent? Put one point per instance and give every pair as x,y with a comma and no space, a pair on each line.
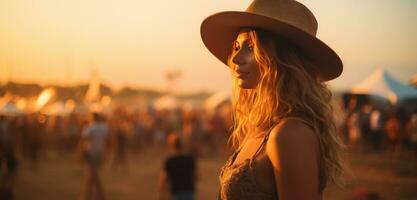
217,100
59,108
46,96
93,99
22,103
10,109
382,84
413,80
166,102
5,99
93,92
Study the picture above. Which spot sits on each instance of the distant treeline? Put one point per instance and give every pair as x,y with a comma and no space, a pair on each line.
78,92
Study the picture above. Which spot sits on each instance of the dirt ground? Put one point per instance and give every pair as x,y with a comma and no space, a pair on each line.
62,177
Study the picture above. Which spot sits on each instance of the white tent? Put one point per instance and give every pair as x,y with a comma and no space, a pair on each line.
57,108
10,109
217,100
166,102
46,96
382,84
5,99
93,92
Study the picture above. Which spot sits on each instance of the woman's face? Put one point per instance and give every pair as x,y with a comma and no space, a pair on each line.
245,68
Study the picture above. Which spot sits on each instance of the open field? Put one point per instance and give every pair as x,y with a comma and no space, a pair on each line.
61,177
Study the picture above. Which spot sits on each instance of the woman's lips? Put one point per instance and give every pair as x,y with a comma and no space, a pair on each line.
241,75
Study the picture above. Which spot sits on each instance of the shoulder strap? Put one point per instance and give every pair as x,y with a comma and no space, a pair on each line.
261,146
265,140
234,157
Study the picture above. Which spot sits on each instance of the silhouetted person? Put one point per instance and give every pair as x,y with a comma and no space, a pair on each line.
8,162
179,172
411,129
120,145
364,125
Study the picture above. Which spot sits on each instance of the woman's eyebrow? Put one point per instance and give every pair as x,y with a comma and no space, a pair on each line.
246,41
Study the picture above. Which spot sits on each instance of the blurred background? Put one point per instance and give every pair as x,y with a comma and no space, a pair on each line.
142,67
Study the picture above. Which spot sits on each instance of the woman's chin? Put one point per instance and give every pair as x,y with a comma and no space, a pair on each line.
245,85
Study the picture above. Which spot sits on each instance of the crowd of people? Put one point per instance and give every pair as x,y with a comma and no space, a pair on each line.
372,128
190,133
97,137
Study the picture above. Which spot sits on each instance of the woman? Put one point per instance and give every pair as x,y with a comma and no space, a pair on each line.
284,132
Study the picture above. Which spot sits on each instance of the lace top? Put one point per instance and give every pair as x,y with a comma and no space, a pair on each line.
237,181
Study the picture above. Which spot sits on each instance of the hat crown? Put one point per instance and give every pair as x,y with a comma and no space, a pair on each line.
289,11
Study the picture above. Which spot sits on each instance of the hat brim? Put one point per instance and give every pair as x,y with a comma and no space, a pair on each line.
218,32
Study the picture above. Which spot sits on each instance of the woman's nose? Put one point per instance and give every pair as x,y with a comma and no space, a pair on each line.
238,58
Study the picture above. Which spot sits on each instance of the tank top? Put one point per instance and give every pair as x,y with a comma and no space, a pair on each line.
238,181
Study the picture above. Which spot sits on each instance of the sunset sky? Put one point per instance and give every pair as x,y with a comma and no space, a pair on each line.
134,42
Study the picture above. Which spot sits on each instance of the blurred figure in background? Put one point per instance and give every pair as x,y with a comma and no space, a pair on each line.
8,162
376,128
74,130
411,129
93,142
218,130
190,133
364,194
32,131
59,131
364,125
138,133
353,130
393,131
120,141
179,172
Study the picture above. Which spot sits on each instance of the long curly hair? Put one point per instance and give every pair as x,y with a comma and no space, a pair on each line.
288,87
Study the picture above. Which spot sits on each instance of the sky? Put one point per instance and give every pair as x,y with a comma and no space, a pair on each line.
136,42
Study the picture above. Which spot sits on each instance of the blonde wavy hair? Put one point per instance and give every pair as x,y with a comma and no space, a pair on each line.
288,87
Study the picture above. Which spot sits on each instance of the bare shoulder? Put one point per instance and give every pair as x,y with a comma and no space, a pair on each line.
292,135
293,150
292,130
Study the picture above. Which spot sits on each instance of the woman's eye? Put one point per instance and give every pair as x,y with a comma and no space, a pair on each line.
250,47
236,48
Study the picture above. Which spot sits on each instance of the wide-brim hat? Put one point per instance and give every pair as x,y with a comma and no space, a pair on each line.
289,19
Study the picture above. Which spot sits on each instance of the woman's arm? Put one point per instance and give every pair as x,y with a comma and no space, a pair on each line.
293,150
